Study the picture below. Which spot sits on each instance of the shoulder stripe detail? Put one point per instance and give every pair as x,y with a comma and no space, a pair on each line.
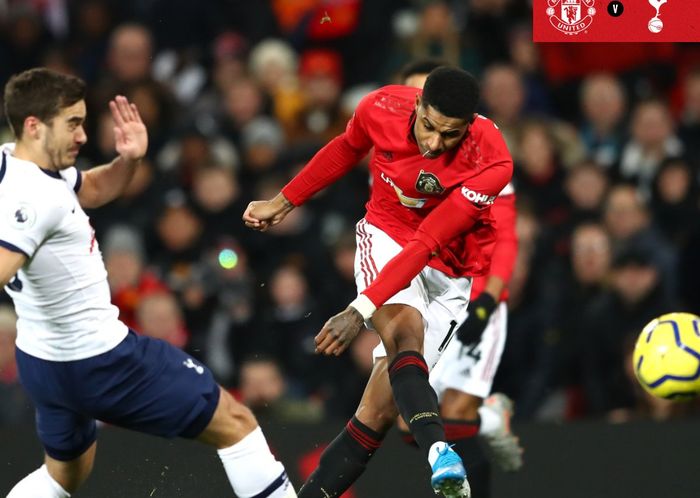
78,181
13,248
3,168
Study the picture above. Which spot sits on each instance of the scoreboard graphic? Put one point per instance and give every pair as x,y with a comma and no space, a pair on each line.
582,21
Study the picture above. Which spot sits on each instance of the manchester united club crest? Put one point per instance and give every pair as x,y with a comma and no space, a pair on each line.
570,18
428,183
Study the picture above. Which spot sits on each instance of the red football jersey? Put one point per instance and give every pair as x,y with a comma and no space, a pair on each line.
406,187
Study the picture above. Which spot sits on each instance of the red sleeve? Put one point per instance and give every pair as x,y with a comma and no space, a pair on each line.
333,161
506,248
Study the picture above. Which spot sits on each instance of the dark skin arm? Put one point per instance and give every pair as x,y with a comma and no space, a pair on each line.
338,332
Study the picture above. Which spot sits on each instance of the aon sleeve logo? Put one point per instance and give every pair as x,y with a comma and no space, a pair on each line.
477,198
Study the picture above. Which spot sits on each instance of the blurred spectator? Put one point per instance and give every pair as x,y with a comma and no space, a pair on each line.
190,151
263,389
15,407
674,200
218,200
130,54
91,21
225,318
572,285
652,140
178,245
503,96
629,223
603,105
22,40
612,321
262,143
489,24
228,56
129,281
437,35
243,101
539,176
586,186
319,119
158,315
289,330
525,56
274,65
689,129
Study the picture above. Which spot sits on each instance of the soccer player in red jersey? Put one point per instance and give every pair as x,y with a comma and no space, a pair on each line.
437,168
464,375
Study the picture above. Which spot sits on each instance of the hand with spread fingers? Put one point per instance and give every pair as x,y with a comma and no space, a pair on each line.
338,332
130,134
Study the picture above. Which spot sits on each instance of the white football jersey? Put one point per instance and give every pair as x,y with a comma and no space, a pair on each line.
61,293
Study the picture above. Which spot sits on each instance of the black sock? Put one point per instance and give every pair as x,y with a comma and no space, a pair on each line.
462,435
416,400
342,462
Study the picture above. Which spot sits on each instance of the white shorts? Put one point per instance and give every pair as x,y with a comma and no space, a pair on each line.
441,300
471,369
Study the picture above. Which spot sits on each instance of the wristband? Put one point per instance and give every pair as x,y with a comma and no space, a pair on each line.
364,306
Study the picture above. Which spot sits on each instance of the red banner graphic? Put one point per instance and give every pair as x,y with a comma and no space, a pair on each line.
616,20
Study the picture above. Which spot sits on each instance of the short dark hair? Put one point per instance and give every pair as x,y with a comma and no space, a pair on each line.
452,92
420,66
42,93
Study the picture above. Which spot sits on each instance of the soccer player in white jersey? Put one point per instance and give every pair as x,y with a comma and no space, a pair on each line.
76,360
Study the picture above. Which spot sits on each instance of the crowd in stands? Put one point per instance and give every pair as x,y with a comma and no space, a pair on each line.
237,95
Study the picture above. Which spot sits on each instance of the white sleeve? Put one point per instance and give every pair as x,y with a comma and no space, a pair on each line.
73,177
26,221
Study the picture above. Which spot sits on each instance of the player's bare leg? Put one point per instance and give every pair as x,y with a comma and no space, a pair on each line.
401,328
56,478
250,466
399,383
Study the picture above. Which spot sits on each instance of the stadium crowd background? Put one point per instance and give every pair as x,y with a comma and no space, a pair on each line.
238,94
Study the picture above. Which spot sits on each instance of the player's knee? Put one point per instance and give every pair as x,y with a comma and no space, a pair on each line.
377,418
241,416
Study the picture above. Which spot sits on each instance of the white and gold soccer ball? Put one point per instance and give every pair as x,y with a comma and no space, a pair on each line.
667,356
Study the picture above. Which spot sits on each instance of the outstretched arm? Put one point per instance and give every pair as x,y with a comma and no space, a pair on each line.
105,183
330,163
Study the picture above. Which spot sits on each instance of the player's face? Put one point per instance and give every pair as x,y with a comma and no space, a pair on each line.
65,135
436,133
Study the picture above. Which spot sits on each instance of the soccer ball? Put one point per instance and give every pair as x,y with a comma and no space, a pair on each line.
667,356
